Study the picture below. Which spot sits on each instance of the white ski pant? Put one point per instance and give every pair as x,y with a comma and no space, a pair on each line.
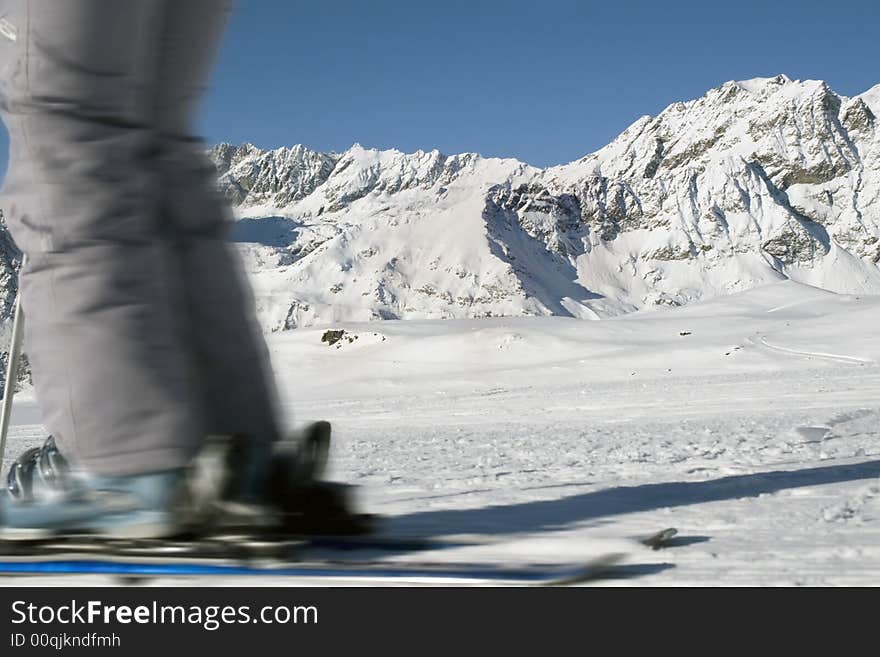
139,327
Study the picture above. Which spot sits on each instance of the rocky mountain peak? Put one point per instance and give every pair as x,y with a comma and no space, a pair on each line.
755,181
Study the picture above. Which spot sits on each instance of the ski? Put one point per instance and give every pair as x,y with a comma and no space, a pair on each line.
370,559
337,571
237,546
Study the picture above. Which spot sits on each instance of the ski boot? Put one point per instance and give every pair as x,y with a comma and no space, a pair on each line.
233,486
45,500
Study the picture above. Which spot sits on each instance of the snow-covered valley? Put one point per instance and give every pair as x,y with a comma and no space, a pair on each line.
748,422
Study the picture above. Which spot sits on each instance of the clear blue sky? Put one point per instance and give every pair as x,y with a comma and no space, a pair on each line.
546,81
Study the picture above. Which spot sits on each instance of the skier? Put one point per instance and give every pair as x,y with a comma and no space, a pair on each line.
139,327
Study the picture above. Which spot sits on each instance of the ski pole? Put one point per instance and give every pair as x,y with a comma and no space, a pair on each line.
11,371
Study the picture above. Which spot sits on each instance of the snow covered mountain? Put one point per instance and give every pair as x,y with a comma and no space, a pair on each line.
10,261
755,182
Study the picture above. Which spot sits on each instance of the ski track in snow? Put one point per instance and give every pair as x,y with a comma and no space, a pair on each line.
569,435
809,354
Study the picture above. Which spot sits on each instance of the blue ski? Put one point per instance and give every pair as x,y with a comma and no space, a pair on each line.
377,571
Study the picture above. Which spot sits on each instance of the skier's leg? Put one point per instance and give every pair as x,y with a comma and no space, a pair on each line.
82,203
217,314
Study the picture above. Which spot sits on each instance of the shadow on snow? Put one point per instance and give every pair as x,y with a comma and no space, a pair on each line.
277,232
548,515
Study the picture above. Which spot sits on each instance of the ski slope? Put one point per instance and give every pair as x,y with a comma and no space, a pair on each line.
749,422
